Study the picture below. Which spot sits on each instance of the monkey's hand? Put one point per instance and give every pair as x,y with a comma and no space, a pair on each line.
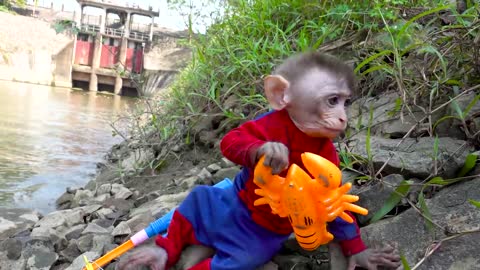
276,156
372,258
153,257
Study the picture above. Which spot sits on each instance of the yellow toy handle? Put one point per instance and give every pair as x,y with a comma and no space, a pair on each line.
309,203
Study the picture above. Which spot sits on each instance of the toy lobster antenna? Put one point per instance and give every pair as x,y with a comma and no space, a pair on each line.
158,226
309,203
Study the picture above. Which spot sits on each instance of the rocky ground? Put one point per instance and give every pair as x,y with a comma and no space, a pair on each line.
129,193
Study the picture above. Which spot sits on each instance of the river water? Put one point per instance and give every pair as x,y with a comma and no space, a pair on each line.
51,139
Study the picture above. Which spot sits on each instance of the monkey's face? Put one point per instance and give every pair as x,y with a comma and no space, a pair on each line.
317,105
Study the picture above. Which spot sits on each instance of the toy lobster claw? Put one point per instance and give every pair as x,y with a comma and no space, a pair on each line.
309,203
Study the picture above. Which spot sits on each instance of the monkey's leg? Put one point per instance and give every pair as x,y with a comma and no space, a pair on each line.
191,223
193,255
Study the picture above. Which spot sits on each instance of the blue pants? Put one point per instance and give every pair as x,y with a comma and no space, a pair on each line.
221,221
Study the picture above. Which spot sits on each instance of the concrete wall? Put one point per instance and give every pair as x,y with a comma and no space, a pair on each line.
38,66
62,66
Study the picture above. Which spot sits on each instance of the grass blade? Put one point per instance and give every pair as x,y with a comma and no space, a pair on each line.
392,201
470,162
405,264
474,203
425,211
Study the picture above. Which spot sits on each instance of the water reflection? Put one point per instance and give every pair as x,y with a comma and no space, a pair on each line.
51,139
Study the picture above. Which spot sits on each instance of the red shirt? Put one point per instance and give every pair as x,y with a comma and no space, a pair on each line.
241,142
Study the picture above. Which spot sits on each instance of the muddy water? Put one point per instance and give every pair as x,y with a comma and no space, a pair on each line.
51,139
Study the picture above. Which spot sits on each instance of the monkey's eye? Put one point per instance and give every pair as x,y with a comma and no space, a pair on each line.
333,101
348,102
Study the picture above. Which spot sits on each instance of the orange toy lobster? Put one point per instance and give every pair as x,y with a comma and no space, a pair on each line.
309,203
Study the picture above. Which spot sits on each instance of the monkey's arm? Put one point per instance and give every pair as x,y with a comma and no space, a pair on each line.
241,144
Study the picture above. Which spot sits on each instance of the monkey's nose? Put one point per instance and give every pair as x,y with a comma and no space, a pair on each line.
342,120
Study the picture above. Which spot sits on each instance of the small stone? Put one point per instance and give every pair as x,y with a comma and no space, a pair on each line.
229,173
121,192
103,197
13,248
225,163
95,229
74,232
104,189
65,198
84,243
122,229
204,175
71,252
213,168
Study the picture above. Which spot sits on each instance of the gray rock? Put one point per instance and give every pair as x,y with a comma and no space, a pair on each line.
189,182
65,199
121,192
71,252
82,197
104,189
84,243
385,122
74,232
99,242
103,213
225,163
122,229
449,209
13,248
91,208
193,171
213,168
160,205
95,229
7,264
102,198
43,231
226,173
41,258
204,175
139,222
14,220
413,158
374,194
79,262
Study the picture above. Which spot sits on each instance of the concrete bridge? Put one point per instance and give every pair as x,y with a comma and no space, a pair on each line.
109,52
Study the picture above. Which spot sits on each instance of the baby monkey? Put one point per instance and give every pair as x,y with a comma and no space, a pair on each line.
308,93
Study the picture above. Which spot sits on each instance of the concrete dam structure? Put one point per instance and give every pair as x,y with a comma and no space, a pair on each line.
110,52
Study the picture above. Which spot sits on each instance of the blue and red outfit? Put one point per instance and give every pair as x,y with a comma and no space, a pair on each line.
247,236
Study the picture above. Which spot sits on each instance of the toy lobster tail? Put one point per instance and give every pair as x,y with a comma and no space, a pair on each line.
309,203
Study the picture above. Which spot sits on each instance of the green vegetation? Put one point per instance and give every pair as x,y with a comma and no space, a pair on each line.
6,5
386,40
427,51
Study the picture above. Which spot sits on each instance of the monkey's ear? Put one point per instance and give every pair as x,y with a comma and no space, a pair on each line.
277,91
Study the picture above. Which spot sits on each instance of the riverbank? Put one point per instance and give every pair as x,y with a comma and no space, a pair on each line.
127,195
51,139
410,150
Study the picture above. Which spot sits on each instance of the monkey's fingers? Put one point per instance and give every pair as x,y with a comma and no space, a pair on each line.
346,217
355,208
